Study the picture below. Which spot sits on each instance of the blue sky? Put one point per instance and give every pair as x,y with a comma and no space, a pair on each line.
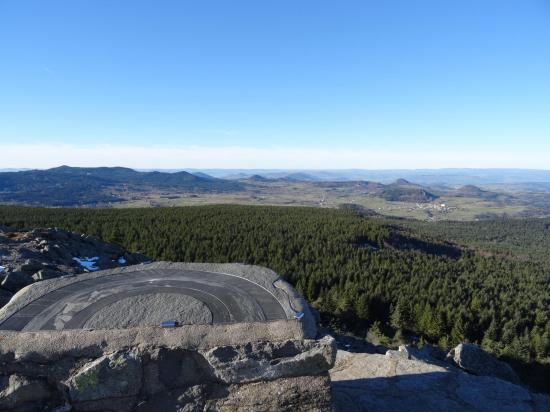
304,84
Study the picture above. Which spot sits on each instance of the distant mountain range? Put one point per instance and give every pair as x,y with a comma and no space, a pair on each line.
104,186
448,177
70,186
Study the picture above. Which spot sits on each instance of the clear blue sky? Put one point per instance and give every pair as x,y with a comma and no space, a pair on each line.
423,80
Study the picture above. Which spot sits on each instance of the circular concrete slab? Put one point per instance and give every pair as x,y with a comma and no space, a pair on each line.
148,294
150,310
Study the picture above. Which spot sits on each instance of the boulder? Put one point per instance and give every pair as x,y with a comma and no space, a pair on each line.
475,360
166,369
113,376
31,266
25,254
18,390
189,399
269,361
60,254
44,274
5,297
16,280
55,234
403,352
372,382
300,394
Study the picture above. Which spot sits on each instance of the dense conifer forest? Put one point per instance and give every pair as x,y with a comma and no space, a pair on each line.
483,282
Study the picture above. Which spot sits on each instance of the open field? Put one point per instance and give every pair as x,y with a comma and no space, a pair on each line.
304,194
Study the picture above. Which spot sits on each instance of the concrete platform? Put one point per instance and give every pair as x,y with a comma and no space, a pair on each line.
146,294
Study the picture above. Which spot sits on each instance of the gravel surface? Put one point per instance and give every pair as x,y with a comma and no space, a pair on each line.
151,310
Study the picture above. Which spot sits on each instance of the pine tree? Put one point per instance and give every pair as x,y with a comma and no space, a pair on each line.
458,332
401,316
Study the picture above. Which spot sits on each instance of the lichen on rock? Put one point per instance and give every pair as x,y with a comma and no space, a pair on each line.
111,376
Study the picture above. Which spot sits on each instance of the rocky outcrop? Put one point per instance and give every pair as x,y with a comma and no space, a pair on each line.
117,375
400,381
475,360
196,367
32,256
18,391
267,360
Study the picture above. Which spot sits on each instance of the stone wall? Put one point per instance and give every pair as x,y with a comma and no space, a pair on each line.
195,367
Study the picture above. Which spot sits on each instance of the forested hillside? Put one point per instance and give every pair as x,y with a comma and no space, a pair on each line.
78,186
516,238
360,272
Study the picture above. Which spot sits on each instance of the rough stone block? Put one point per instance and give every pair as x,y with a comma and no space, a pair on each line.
18,390
113,376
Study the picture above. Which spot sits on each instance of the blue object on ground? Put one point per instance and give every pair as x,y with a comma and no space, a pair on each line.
168,324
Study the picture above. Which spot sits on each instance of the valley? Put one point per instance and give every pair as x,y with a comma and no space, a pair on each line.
122,187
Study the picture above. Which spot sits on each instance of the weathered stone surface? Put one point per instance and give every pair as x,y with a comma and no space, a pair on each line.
269,361
190,399
493,394
393,383
49,346
175,368
114,376
31,266
403,352
475,360
5,297
124,404
145,374
44,274
16,280
306,393
18,390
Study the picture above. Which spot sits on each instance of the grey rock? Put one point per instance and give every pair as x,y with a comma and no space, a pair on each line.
44,274
31,266
541,403
168,369
494,394
123,404
61,254
18,390
429,354
5,297
16,280
29,252
267,361
113,376
56,234
190,399
51,346
301,394
475,360
25,252
63,408
403,352
154,369
392,383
